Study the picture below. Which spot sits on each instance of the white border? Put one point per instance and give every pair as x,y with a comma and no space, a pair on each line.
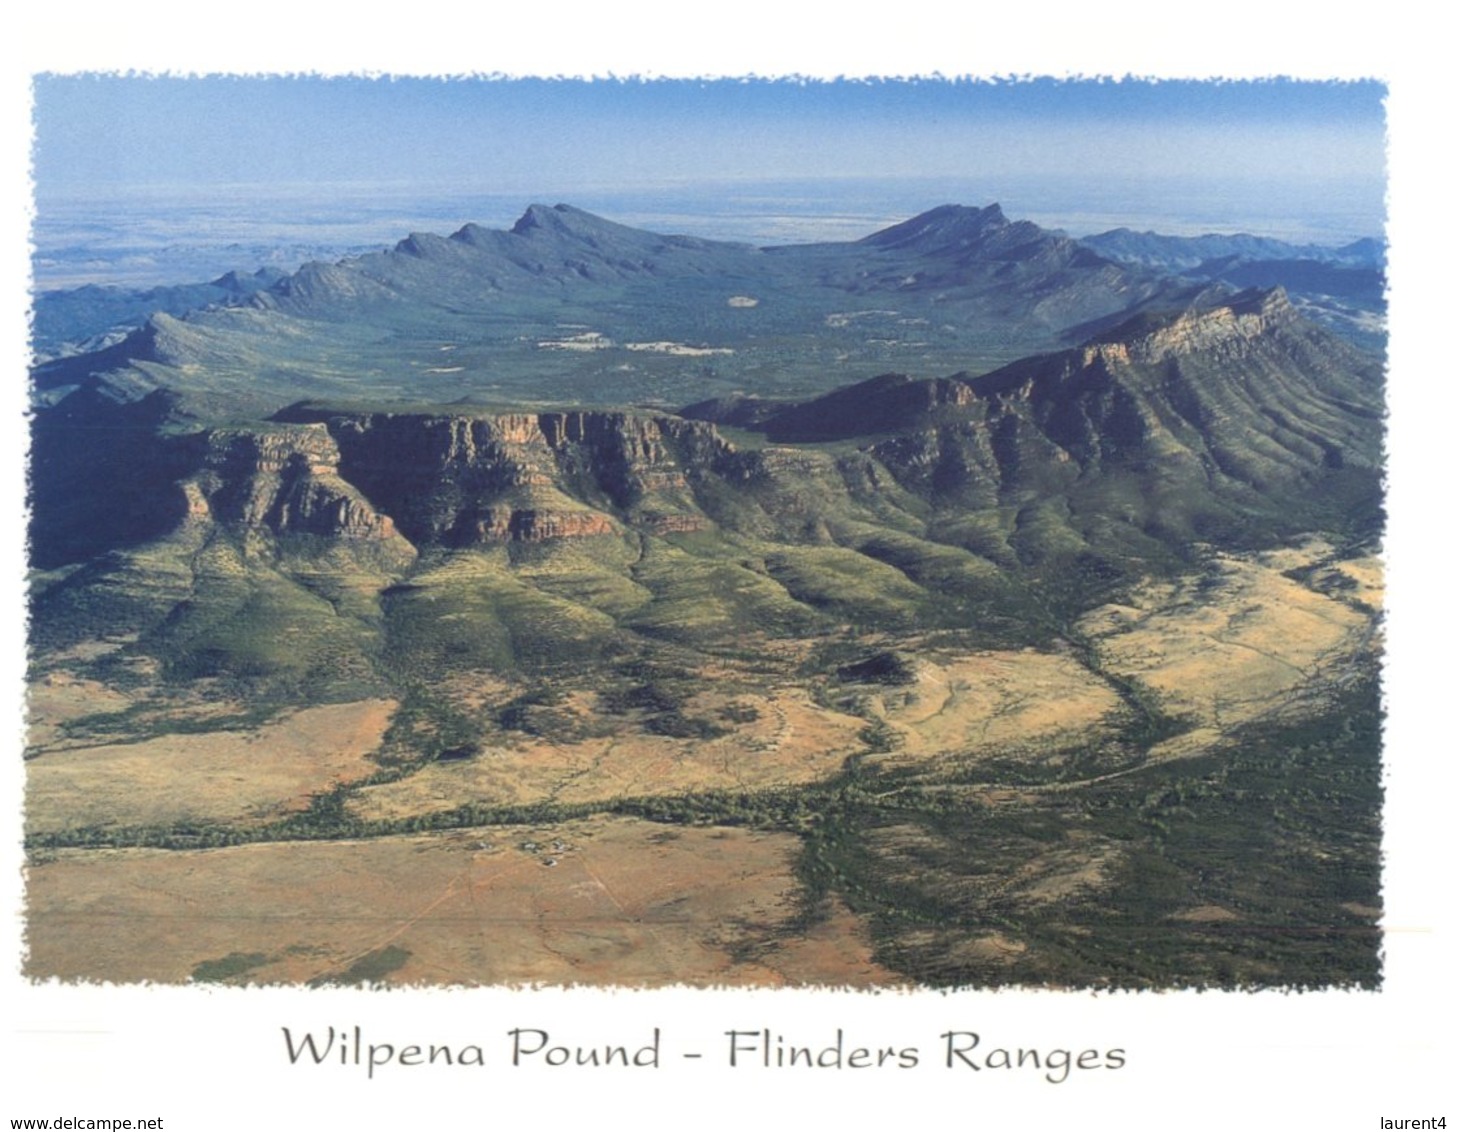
1330,1061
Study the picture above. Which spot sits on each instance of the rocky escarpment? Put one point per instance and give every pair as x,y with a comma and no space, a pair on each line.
411,482
1247,390
462,480
380,487
407,481
1194,411
1173,417
266,485
1227,331
1178,417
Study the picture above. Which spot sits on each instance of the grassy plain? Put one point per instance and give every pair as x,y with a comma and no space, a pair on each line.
850,809
232,777
596,901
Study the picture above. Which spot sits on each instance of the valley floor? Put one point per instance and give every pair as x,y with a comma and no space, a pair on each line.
1183,791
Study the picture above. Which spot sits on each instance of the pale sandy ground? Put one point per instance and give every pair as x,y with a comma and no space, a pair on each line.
59,698
226,776
793,741
981,702
625,903
1237,644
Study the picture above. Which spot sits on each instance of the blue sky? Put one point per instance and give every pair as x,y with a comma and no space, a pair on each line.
528,134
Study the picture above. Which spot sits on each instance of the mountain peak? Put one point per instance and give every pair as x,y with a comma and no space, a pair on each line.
535,216
564,219
947,225
1152,337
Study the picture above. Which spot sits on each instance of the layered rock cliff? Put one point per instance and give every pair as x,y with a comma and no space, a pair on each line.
464,480
1174,417
272,485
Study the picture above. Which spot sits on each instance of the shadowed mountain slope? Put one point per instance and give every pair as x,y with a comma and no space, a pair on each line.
897,501
569,309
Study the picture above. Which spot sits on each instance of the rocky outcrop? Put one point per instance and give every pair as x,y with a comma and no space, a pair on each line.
675,524
1246,390
1222,330
538,526
462,480
269,485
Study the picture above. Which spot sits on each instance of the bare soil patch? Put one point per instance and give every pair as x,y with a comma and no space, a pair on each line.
992,947
1231,645
224,776
1206,914
604,901
788,740
59,698
975,703
1080,869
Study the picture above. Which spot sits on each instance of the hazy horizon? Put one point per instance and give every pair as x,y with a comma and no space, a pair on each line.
170,235
148,180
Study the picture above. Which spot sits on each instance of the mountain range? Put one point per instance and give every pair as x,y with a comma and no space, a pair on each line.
571,309
1343,288
576,458
1224,416
1179,253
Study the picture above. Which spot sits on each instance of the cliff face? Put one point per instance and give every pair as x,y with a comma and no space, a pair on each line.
527,477
1229,330
1247,391
391,485
267,485
1154,426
